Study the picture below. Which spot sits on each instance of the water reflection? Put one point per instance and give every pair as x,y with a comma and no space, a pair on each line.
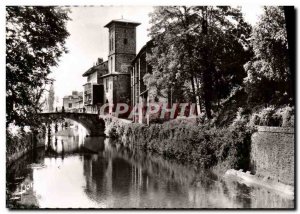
96,173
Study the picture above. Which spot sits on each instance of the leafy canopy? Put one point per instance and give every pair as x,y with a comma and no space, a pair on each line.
268,75
199,50
35,39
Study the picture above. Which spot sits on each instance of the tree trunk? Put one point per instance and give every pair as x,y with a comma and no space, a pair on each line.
194,100
289,13
207,91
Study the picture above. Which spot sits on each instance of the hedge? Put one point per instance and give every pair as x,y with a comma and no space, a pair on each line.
202,146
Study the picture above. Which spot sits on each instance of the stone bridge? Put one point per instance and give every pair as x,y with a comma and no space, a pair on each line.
94,125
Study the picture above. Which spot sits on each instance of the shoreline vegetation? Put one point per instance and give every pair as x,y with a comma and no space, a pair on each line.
201,145
20,144
225,151
201,142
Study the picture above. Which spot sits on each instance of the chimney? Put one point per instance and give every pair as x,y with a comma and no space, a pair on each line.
99,60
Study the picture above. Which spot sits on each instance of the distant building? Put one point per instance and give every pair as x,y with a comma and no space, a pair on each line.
93,92
73,102
79,103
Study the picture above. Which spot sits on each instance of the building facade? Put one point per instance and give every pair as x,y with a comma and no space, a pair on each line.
73,102
141,94
120,78
93,89
139,91
122,50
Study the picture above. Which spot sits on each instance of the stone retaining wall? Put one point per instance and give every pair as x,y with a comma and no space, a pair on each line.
272,153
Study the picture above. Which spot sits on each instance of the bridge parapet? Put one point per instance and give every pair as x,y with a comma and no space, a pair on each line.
91,121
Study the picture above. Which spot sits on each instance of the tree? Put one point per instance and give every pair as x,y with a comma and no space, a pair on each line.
199,49
268,78
35,39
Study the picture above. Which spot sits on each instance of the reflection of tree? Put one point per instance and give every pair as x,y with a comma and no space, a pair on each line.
140,176
19,172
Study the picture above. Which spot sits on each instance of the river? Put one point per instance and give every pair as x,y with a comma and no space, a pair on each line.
93,172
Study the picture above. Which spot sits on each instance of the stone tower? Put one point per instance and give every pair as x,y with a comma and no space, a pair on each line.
122,50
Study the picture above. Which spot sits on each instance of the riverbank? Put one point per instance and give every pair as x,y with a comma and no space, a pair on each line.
19,145
147,180
257,180
203,146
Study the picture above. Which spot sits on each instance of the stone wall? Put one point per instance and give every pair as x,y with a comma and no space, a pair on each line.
125,39
122,62
272,153
121,89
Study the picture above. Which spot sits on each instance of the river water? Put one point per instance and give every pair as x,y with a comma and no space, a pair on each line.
93,172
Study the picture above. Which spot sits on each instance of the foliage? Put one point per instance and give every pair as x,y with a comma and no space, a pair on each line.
203,146
270,116
20,141
268,76
199,51
241,118
229,107
288,116
35,39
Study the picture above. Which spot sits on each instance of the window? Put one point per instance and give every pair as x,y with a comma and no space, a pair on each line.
70,105
111,64
110,43
106,84
125,41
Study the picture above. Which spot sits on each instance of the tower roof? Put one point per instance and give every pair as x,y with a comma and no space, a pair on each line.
122,21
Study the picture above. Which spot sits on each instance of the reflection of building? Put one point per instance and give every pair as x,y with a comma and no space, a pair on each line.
73,102
93,88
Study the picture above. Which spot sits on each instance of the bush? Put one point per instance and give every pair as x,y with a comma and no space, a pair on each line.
270,116
241,119
287,115
200,145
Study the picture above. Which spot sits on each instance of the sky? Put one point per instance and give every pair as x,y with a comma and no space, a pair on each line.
88,40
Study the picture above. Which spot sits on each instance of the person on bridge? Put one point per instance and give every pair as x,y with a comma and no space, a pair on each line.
63,109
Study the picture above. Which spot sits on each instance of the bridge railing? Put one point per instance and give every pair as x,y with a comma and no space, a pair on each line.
73,110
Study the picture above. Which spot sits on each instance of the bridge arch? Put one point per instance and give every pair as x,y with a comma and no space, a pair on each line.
94,125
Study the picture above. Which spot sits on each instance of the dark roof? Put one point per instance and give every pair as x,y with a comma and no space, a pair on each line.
113,74
72,96
94,68
122,21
